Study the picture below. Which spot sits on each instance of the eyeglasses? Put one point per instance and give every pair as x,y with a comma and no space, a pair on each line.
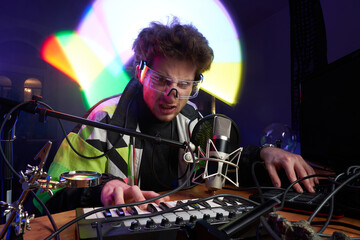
186,89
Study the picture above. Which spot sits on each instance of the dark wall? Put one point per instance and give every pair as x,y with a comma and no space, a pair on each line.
266,94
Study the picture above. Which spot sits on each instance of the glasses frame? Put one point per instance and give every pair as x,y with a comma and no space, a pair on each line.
144,70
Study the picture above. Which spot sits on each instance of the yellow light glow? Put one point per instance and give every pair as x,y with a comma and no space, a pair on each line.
224,81
81,57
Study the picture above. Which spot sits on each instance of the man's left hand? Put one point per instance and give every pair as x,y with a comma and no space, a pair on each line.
293,164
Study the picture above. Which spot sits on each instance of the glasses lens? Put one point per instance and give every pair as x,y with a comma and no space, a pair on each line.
161,83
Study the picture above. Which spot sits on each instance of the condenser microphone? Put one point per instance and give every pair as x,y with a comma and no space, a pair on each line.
219,149
216,139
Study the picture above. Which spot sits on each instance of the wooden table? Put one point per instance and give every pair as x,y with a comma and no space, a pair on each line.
41,227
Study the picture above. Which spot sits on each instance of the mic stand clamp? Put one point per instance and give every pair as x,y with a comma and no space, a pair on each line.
22,219
19,219
35,178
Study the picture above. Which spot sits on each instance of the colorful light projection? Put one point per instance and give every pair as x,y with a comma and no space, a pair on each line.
96,52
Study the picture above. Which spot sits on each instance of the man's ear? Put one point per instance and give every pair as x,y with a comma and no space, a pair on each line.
139,68
138,72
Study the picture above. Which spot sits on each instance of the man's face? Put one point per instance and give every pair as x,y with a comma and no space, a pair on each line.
165,108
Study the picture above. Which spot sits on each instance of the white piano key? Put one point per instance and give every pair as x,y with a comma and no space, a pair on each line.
213,204
92,216
184,215
208,211
127,223
114,212
157,219
220,210
142,221
170,216
95,215
214,208
196,213
100,215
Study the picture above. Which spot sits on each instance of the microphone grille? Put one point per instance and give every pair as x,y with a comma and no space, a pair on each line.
222,127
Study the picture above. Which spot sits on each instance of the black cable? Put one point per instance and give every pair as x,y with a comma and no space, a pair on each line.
125,205
189,187
14,171
79,154
106,152
156,175
257,184
356,168
7,116
66,137
186,170
332,194
53,224
144,202
149,215
349,171
293,183
269,229
332,205
99,231
258,231
325,200
331,211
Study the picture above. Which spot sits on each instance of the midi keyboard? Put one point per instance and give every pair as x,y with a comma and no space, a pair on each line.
303,202
161,221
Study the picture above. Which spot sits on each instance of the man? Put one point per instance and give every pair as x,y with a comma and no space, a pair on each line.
170,60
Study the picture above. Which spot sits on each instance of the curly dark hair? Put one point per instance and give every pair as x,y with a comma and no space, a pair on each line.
174,40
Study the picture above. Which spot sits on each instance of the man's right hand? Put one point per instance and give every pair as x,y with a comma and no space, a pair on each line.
117,192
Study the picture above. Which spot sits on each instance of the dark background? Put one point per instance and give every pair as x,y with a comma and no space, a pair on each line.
263,26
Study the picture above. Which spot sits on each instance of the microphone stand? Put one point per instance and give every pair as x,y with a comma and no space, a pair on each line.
33,107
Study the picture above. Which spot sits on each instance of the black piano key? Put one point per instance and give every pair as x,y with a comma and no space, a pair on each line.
120,212
211,211
151,208
132,210
184,207
230,201
163,206
205,204
239,201
107,213
220,202
194,206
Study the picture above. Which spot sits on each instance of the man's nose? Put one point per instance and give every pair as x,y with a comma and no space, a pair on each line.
176,94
